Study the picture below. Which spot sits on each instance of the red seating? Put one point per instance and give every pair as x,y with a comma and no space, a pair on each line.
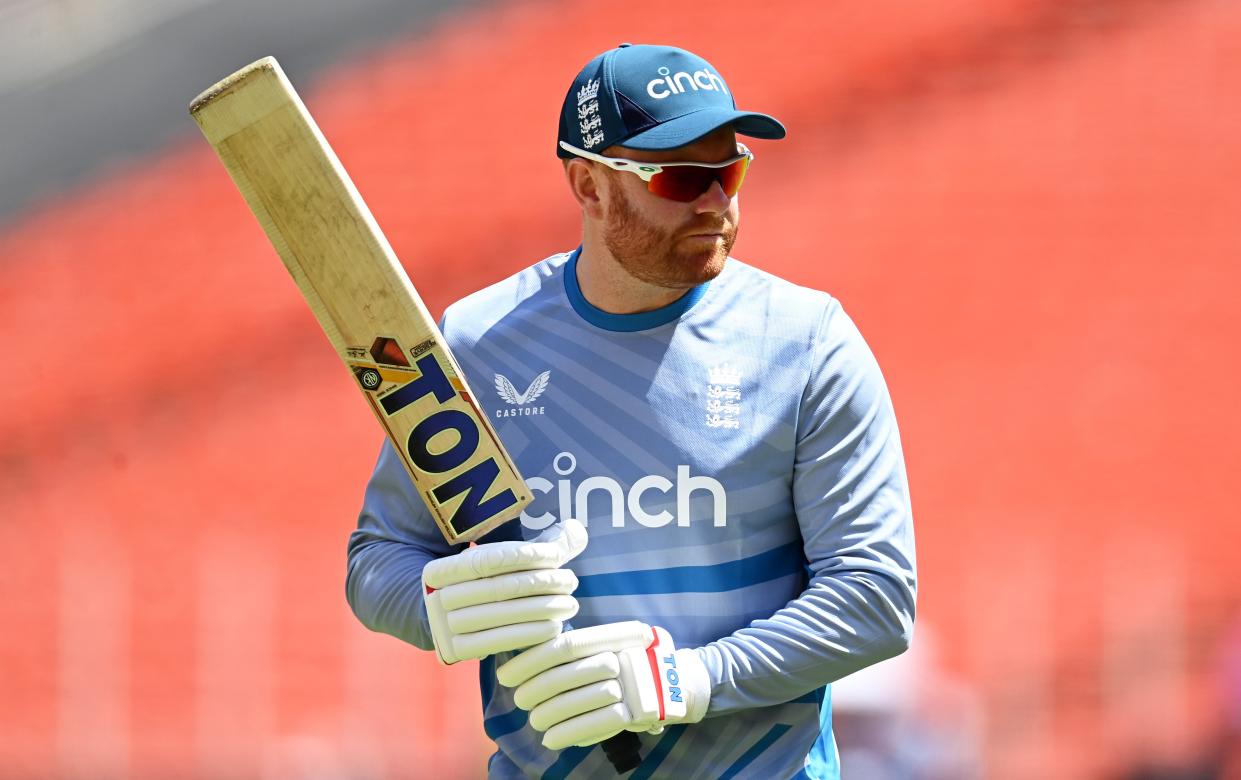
1029,206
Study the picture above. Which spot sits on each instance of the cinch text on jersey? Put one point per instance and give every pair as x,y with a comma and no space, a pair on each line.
574,501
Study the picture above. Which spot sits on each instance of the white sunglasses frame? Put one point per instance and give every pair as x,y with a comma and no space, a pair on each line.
647,170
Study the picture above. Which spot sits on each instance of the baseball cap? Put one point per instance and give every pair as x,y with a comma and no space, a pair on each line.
652,98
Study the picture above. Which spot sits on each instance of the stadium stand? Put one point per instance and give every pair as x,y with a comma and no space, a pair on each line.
1029,206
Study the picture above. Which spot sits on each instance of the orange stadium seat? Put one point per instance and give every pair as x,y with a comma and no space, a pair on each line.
1028,205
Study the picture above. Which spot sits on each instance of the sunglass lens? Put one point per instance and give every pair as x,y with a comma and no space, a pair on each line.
732,176
686,182
682,182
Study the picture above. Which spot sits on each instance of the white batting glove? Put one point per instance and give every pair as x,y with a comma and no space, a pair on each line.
502,596
586,685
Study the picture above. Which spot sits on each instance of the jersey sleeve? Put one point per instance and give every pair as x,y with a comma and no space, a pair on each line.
851,498
396,536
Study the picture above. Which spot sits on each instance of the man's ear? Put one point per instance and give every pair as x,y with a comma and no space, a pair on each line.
584,182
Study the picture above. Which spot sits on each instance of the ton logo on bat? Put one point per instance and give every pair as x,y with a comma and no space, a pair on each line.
474,481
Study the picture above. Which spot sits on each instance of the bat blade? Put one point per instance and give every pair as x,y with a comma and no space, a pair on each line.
362,298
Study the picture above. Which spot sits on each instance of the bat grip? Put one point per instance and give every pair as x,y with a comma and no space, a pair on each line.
623,751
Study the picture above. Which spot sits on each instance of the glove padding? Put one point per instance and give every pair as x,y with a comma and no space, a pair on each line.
502,596
587,685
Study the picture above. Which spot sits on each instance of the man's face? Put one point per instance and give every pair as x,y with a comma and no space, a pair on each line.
665,242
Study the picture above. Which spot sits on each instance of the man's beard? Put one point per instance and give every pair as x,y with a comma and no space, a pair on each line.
657,256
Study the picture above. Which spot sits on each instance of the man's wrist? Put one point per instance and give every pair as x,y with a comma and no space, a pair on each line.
586,685
695,682
680,681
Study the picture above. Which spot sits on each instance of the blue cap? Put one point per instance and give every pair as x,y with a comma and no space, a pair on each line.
652,98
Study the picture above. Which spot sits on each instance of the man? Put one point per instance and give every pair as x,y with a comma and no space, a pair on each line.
725,436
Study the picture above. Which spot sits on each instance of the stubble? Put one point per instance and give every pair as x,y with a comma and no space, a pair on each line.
662,257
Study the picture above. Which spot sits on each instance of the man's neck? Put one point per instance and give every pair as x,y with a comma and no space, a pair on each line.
607,286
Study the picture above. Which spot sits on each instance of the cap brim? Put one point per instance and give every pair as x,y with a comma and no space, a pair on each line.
690,127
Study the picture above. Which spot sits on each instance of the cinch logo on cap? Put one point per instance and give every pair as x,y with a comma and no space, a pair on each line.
651,98
671,83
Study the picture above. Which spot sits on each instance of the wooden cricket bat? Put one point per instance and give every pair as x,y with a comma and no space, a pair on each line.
368,308
348,273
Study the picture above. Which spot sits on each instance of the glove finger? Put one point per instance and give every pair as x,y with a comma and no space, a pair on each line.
596,739
587,729
441,634
575,702
498,640
645,728
566,677
549,550
573,644
641,682
539,582
507,613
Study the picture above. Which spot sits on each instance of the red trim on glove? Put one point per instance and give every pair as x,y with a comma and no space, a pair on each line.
654,661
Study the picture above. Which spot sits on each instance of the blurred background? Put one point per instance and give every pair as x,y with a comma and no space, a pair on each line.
1030,207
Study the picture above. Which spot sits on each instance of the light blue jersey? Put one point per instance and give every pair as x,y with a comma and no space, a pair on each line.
736,460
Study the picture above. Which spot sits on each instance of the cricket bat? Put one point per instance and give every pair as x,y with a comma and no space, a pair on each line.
370,311
367,306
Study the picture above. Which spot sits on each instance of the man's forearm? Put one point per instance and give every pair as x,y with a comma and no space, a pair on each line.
384,588
841,623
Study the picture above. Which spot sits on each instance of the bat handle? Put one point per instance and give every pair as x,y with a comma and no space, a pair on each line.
623,751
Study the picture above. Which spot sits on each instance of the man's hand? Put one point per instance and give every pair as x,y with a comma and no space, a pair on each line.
502,596
586,685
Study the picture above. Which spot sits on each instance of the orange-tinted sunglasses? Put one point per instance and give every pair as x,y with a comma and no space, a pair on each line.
680,181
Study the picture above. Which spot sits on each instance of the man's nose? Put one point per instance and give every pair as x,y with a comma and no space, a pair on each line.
713,201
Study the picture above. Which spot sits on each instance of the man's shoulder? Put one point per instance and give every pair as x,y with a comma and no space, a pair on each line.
748,286
480,311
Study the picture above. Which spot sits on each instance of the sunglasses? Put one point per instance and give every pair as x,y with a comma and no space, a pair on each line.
681,181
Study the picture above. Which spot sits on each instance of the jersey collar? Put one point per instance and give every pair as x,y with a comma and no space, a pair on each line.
625,323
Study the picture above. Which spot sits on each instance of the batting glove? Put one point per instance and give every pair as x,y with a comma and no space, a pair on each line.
586,685
502,596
